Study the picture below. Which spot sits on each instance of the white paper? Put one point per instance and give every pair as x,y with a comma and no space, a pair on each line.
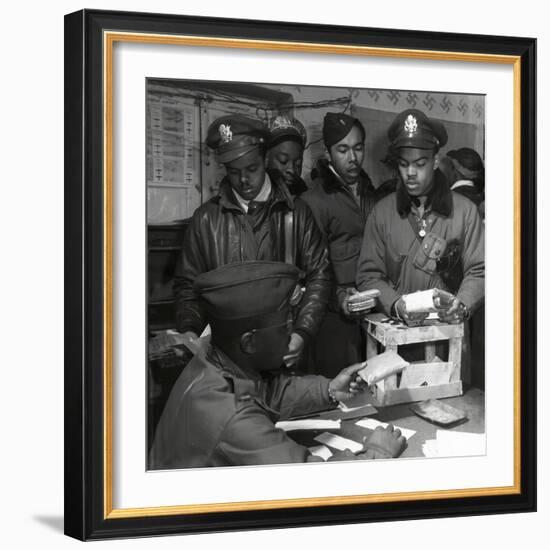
308,424
344,408
372,424
321,450
449,443
338,442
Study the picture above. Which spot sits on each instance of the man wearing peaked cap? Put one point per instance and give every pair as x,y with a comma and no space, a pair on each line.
424,235
253,217
341,197
412,128
223,407
233,136
287,141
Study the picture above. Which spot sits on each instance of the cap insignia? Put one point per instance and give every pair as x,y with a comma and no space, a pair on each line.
281,122
411,125
225,133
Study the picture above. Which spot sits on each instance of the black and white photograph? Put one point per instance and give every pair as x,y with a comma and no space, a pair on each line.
315,273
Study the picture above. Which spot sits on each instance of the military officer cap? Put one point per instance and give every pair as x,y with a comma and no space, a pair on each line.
412,128
283,128
336,126
233,136
467,161
248,295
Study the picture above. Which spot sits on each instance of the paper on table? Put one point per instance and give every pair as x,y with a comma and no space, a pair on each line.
308,424
372,424
338,442
449,443
321,450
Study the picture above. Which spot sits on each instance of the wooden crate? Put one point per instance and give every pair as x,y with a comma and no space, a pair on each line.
389,336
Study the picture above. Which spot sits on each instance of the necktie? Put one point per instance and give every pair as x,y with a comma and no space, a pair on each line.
253,207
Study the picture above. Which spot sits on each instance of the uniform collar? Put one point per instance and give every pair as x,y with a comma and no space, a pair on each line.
332,182
277,192
439,197
262,196
221,360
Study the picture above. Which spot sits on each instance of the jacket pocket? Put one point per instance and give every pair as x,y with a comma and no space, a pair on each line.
429,251
344,258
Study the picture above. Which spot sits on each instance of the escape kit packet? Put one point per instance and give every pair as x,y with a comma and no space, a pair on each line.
362,301
438,412
381,366
427,301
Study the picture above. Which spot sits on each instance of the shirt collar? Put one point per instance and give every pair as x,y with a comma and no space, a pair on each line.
262,196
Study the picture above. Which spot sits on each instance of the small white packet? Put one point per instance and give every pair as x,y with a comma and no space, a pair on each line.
381,366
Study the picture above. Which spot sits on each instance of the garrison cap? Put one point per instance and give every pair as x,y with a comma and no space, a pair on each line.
247,295
412,128
336,126
467,161
233,136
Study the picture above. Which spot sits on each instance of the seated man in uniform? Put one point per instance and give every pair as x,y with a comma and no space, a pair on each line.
223,407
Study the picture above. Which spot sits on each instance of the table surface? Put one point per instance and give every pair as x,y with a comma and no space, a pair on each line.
472,402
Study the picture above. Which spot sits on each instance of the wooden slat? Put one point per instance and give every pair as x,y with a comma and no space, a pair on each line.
410,395
455,357
388,334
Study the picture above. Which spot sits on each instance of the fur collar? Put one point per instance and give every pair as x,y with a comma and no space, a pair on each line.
440,197
331,183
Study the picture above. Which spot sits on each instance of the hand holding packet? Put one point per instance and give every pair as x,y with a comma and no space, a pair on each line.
362,301
381,366
428,301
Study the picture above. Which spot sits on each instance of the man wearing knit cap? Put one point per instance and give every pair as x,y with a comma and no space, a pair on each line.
254,217
223,407
287,141
424,235
341,197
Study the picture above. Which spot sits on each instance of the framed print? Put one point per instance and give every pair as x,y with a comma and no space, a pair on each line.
300,274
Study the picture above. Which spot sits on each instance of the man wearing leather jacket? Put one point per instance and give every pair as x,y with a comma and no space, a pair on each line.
254,217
